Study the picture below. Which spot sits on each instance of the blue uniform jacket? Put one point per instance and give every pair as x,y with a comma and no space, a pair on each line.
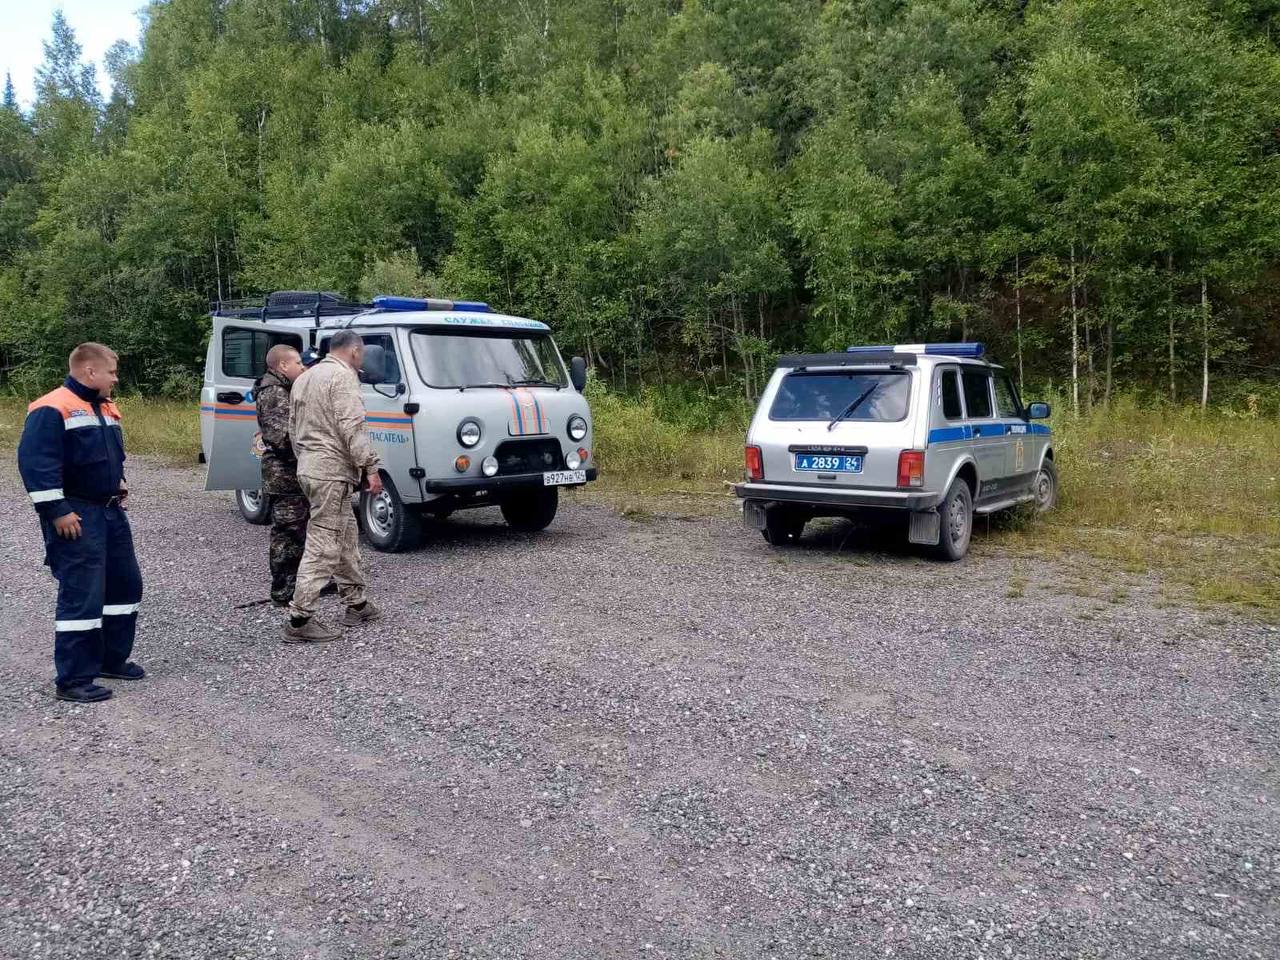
71,447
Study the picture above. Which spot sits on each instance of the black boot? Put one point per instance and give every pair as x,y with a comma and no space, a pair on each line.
84,693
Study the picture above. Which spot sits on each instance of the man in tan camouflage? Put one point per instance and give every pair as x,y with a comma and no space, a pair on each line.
335,456
280,470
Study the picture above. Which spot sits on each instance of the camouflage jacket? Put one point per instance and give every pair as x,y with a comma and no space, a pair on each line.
327,424
279,464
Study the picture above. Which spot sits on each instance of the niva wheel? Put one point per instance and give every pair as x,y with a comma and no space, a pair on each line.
1046,487
956,526
782,527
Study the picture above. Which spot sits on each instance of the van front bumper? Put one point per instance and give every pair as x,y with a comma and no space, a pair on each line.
862,498
471,485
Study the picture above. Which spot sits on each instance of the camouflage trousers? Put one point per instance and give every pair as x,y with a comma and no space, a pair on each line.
288,540
332,547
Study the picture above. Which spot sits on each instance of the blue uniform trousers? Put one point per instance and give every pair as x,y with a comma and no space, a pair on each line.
99,589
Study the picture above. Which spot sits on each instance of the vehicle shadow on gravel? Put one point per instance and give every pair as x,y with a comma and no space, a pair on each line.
484,530
868,540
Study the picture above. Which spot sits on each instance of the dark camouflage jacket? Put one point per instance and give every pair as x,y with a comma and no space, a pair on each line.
279,464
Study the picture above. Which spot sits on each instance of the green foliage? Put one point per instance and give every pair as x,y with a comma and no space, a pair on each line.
682,189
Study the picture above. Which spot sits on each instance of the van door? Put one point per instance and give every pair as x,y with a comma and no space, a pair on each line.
228,414
390,428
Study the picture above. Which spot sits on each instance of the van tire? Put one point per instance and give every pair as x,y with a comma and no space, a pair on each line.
254,506
783,527
956,522
388,524
531,510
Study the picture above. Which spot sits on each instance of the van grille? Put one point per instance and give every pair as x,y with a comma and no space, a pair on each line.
528,456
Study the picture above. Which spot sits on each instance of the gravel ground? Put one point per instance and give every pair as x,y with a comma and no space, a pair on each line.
646,737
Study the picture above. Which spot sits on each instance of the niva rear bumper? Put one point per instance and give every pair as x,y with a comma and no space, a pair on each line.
837,498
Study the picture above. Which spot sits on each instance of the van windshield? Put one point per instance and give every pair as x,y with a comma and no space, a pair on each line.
826,394
489,358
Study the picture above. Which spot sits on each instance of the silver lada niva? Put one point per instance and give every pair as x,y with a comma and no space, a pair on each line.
932,432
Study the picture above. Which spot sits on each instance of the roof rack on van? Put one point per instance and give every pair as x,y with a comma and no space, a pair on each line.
288,305
317,304
968,350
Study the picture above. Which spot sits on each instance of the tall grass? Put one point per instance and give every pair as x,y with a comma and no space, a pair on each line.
1194,496
166,429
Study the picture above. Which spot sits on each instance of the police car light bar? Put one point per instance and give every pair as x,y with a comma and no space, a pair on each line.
402,304
970,350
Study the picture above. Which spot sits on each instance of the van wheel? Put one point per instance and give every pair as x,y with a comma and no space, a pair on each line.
388,524
956,526
1046,487
255,506
782,527
531,510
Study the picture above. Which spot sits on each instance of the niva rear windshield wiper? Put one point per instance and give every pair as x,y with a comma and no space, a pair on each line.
853,406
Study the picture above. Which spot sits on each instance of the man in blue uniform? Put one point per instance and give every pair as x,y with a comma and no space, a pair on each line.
71,458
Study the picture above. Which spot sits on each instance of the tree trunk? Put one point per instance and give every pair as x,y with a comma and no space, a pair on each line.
1017,301
1111,354
262,173
217,267
1173,377
1204,330
1090,382
475,21
1075,339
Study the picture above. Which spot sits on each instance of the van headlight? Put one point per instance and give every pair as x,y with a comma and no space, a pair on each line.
577,428
469,433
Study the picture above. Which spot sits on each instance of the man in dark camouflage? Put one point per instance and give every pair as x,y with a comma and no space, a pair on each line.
289,510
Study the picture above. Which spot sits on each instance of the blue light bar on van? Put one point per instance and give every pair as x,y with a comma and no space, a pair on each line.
970,350
973,350
402,304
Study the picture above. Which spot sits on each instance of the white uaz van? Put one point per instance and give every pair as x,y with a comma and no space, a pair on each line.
468,407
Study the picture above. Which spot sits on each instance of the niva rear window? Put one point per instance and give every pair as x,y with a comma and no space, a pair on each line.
858,395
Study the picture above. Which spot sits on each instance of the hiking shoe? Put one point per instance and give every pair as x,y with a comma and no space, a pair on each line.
84,693
130,671
352,617
313,631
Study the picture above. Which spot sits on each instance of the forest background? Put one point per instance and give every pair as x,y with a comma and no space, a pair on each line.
685,188
682,189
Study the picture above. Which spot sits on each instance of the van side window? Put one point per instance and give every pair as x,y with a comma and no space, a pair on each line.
977,393
951,395
387,342
244,352
1007,397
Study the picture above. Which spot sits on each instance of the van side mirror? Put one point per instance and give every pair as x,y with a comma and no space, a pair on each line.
1037,411
578,373
374,367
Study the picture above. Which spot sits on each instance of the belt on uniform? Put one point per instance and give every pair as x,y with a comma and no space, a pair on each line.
112,501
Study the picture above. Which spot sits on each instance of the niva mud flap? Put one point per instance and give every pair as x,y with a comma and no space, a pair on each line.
926,527
753,514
